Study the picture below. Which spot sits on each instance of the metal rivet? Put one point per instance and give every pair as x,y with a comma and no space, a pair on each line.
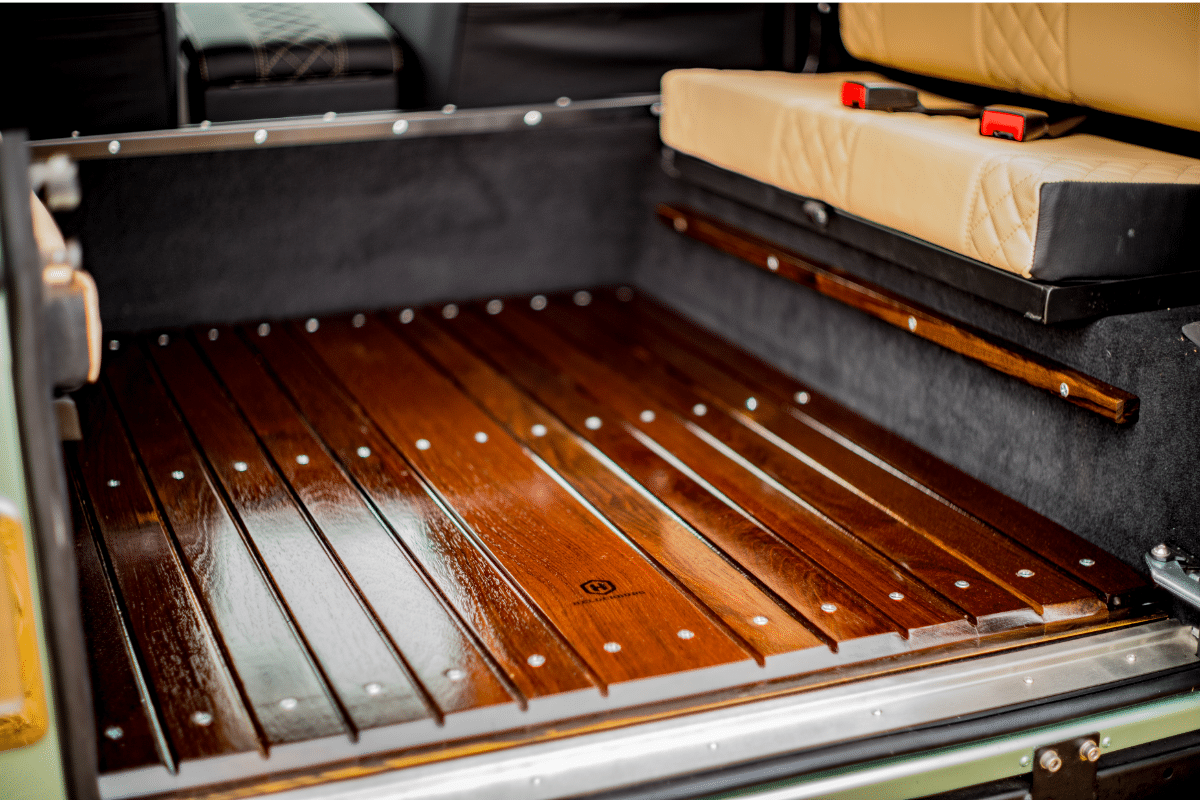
612,647
202,718
264,329
828,608
533,117
1106,741
592,423
1028,680
538,430
877,712
1088,751
422,444
537,302
205,125
760,620
74,134
624,294
301,459
536,660
260,135
685,634
373,688
1024,573
1025,761
399,126
177,474
329,116
1132,657
1160,552
449,108
562,102
406,316
699,409
680,224
312,325
114,732
455,674
896,596
449,311
495,306
751,403
114,345
912,324
1050,761
480,437
1064,390
582,298
772,263
163,340
962,584
358,320
646,416
114,483
240,466
1086,562
802,398
363,452
288,703
213,333
114,147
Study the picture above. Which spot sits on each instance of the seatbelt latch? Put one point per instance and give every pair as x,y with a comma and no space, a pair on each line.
878,96
1022,124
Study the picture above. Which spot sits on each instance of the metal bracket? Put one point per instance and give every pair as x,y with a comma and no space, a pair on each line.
1176,571
1066,770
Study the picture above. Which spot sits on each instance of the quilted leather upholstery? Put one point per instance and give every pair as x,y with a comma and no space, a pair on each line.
934,178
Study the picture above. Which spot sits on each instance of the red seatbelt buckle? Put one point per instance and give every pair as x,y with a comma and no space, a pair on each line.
1014,123
878,96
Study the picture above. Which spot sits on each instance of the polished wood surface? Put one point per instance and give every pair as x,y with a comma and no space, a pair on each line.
1075,387
403,528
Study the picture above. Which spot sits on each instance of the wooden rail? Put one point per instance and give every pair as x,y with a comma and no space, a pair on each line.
1013,360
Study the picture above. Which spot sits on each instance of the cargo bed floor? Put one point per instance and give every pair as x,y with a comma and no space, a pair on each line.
319,539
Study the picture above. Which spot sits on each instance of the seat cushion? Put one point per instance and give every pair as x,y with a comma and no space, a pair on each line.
1053,209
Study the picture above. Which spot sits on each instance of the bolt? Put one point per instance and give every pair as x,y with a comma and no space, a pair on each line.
1106,741
1025,761
1089,751
455,674
1160,552
1050,761
399,126
680,224
114,483
329,116
562,102
912,324
1131,658
213,333
1028,681
114,345
449,108
163,340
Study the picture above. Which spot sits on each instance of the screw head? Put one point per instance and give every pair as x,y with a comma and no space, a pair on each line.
1088,751
1131,658
329,116
612,647
912,324
538,430
962,584
399,127
422,444
760,620
494,307
202,718
1064,390
113,483
302,459
114,147
1050,761
592,423
406,316
163,340
449,108
1086,562
455,674
288,703
114,345
358,320
1024,573
311,325
751,403
828,608
582,298
680,224
114,732
646,416
536,660
896,596
1028,680
563,102
537,302
264,329
772,263
533,118
260,135
877,712
481,437
1106,741
373,688
450,311
699,409
685,634
177,474
802,398
363,452
1160,552
241,466
1025,761
213,333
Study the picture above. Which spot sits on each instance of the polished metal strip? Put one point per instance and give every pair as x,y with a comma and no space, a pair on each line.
353,127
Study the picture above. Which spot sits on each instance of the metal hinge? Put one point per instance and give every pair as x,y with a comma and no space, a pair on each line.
1176,571
1066,770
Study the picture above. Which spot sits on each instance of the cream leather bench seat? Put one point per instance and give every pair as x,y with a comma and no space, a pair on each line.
1053,209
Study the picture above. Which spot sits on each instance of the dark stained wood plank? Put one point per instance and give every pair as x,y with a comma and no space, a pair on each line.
849,489
371,684
1032,368
1084,561
866,579
508,627
275,670
202,712
716,582
430,639
125,738
549,542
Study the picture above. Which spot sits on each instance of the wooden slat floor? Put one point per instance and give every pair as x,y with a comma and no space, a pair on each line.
352,534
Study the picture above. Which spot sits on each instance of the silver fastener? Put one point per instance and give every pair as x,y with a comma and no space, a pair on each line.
288,703
205,125
202,718
449,311
538,430
536,660
114,345
373,688
912,324
612,647
537,302
1025,761
114,147
363,452
329,116
828,608
1063,389
163,340
699,409
1024,573
802,398
877,712
896,596
680,224
760,620
624,294
213,333
772,263
1160,552
582,298
495,306
1028,680
399,126
751,403
422,444
264,329
1131,658
1106,741
302,459
260,135
1086,562
533,117
563,102
1088,751
1050,761
114,732
592,423
114,483
241,466
358,320
685,634
962,584
480,437
657,108
406,316
646,416
455,674
312,325
177,474
449,108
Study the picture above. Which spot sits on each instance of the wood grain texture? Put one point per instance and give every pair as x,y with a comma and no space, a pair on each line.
330,614
1084,561
1026,366
550,543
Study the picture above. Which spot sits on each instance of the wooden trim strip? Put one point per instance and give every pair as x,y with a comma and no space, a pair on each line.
1017,362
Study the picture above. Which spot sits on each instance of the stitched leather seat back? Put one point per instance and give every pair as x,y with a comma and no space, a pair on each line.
1133,59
